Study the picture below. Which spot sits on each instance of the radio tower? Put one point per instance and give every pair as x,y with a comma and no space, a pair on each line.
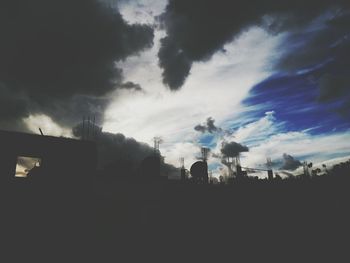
183,170
157,142
229,164
269,168
205,152
182,162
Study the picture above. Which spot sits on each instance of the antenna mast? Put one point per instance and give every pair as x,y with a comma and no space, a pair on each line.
182,162
205,152
88,127
183,170
268,163
83,131
230,163
157,142
238,160
269,168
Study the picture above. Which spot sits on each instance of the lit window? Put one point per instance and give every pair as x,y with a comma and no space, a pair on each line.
25,165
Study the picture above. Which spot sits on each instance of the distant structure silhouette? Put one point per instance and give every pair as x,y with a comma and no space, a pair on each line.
269,168
233,164
205,152
157,141
239,173
183,170
199,172
89,129
149,169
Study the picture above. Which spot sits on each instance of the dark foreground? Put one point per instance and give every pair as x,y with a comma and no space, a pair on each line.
300,220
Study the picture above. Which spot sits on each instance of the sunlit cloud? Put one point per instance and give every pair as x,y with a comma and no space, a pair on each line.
279,118
274,141
47,125
214,88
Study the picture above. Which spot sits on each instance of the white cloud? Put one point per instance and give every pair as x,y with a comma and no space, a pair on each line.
47,125
189,151
300,144
214,88
266,137
257,131
141,11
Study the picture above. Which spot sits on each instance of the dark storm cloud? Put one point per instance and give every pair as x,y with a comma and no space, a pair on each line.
13,107
333,87
130,86
73,109
323,54
56,53
197,29
119,155
12,104
200,128
232,149
289,163
175,63
116,147
327,44
209,126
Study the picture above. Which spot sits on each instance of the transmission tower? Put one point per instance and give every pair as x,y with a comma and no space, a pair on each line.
205,152
157,141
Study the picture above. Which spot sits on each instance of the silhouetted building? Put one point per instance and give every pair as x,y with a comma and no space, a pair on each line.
150,168
62,160
51,199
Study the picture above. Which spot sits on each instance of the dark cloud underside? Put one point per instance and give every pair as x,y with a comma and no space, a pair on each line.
120,156
130,86
323,55
197,29
54,54
209,126
232,149
289,163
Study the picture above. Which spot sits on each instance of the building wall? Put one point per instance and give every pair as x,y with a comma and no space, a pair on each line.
63,159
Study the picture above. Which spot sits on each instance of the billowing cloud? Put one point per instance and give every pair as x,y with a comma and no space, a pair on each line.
215,88
322,42
119,155
197,29
320,50
47,126
289,163
332,87
58,55
277,139
130,86
233,149
335,88
209,126
12,104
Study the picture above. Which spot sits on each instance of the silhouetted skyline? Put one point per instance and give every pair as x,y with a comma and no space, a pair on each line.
174,129
270,76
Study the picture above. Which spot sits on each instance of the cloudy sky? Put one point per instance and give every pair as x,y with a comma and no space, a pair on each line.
270,75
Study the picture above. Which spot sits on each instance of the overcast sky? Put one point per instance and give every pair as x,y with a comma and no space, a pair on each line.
271,75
